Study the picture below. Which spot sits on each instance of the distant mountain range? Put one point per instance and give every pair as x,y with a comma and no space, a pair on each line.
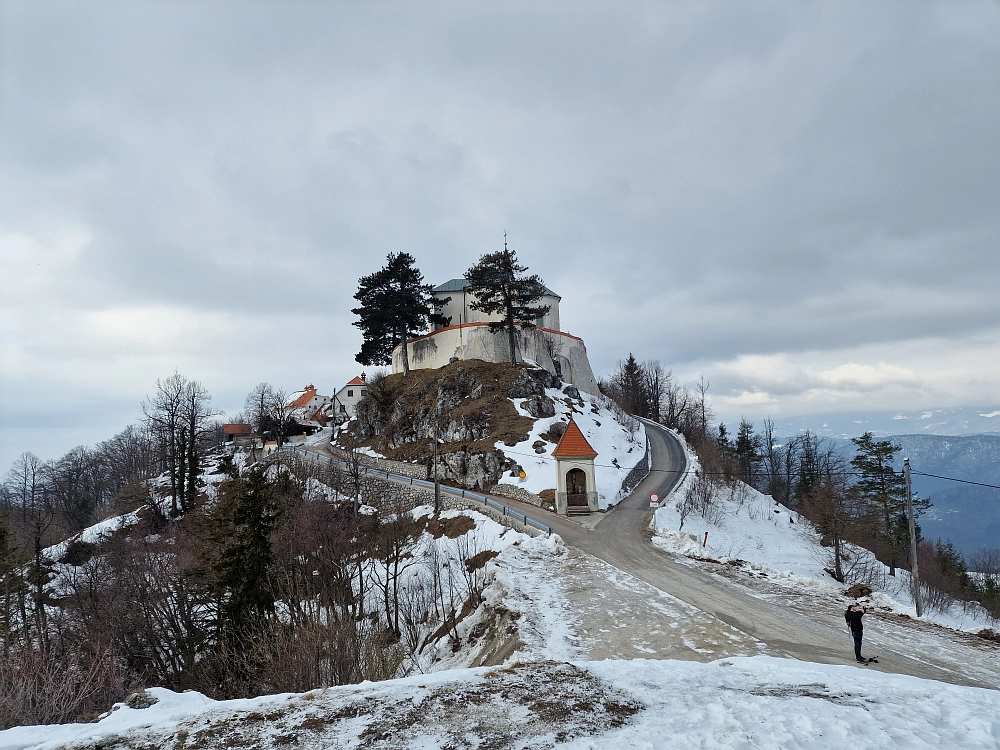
956,421
967,515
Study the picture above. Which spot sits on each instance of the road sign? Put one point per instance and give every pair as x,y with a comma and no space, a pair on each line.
654,501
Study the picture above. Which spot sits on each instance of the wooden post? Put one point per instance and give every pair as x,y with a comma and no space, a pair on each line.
914,571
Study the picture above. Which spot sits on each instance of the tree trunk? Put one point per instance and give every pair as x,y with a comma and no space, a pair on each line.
837,567
406,354
511,338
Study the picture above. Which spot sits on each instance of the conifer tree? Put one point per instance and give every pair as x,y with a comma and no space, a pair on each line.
748,451
241,525
884,490
809,466
500,285
395,304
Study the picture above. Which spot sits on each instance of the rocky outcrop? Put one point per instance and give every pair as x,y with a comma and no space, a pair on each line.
466,405
539,406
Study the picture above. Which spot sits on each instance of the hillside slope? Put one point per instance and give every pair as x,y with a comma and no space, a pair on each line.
494,422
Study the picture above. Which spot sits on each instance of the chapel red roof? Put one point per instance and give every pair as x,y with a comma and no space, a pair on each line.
573,444
236,429
357,381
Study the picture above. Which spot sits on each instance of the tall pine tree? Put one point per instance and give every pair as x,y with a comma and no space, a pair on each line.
395,304
242,561
884,490
501,286
748,452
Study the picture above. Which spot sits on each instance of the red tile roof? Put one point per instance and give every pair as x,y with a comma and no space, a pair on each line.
573,444
236,429
307,395
357,381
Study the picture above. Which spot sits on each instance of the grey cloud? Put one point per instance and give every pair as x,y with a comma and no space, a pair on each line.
699,181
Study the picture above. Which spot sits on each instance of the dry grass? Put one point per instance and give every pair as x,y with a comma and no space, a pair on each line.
475,390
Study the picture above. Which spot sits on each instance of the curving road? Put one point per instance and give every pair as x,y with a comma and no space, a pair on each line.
810,631
621,539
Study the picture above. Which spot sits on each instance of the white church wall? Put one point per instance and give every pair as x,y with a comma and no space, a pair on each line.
544,347
459,310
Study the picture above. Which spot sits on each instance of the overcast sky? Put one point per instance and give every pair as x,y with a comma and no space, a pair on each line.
797,200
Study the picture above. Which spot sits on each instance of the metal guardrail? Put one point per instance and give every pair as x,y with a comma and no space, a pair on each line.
404,479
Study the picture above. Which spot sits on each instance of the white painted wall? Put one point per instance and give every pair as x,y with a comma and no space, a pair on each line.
563,466
474,341
460,312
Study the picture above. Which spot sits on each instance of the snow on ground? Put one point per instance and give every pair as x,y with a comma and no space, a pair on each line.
618,448
92,534
738,702
749,526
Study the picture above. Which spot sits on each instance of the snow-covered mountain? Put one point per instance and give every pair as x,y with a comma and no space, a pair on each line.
961,442
966,515
845,425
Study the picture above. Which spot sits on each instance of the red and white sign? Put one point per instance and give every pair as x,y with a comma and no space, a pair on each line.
654,501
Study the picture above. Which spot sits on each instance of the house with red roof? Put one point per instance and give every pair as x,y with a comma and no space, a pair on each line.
345,402
576,483
306,403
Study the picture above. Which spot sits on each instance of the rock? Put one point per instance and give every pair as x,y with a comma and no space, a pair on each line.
549,380
555,432
525,385
477,391
858,590
539,407
572,391
989,634
141,699
539,446
472,470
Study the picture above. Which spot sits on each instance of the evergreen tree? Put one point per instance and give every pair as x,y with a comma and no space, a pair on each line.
241,526
631,383
500,285
747,451
952,565
809,468
13,590
884,490
722,440
395,304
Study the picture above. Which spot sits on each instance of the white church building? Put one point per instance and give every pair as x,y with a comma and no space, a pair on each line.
468,337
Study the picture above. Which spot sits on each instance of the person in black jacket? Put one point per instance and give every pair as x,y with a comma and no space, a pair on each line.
853,616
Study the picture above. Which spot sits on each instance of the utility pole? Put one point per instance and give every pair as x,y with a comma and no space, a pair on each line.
437,429
914,572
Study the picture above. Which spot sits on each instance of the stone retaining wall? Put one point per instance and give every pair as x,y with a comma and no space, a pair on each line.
518,493
639,472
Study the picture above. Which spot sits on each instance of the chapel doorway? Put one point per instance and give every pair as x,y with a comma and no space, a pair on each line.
576,488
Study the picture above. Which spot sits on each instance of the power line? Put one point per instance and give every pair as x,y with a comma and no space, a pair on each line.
963,481
544,457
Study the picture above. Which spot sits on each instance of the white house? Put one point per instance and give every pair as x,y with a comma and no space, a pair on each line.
345,401
306,403
468,337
